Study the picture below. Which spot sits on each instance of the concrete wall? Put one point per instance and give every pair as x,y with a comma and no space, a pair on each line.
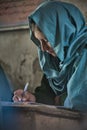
18,55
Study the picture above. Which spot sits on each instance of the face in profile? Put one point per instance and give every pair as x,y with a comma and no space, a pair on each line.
44,44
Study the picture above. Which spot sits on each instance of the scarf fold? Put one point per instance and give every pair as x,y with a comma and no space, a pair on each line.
64,27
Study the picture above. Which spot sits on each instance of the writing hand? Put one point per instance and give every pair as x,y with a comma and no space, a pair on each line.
26,97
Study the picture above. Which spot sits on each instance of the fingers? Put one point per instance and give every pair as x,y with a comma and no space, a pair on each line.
29,97
17,95
24,97
16,98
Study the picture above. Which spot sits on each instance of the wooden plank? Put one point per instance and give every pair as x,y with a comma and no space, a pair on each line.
35,116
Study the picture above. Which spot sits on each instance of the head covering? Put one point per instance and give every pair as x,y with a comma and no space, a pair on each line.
64,27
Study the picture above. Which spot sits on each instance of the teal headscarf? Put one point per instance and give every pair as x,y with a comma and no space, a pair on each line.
64,27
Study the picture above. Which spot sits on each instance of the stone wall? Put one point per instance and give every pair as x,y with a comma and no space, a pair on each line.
18,56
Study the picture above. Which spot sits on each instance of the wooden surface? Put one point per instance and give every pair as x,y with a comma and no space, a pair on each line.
35,116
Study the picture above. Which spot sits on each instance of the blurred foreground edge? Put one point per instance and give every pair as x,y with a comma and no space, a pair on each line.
36,116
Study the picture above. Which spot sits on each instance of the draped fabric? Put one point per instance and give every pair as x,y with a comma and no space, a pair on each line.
6,90
64,27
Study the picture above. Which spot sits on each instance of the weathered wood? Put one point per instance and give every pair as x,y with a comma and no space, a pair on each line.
30,116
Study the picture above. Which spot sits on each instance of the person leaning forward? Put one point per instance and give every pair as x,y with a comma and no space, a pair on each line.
59,31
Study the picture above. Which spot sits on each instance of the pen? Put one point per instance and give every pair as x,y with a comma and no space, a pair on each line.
25,89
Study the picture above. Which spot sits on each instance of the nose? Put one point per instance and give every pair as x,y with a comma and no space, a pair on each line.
43,45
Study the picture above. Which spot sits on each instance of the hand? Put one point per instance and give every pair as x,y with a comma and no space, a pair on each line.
26,97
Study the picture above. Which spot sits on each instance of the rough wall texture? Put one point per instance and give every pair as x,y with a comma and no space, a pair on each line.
18,55
15,12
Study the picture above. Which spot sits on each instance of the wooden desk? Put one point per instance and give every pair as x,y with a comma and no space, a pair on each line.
34,116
